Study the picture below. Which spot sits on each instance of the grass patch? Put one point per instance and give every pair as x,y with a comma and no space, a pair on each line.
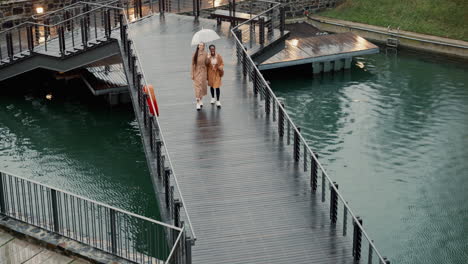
444,18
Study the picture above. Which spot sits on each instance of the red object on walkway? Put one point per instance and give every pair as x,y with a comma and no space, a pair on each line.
151,99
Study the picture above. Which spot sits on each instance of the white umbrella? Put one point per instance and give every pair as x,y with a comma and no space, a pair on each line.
205,36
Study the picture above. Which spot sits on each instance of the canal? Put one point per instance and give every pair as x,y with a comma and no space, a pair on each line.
74,142
393,132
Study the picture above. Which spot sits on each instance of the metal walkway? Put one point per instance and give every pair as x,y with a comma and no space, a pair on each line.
249,201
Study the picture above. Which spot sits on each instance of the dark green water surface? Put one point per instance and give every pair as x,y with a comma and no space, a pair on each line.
393,132
76,143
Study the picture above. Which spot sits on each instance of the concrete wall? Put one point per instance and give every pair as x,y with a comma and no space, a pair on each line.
293,8
427,43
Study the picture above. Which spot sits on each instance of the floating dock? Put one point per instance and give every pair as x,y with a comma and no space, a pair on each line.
326,53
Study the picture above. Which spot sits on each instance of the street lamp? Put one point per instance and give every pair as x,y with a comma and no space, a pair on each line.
39,10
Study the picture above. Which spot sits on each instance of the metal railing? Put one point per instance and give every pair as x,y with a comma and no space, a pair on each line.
121,233
173,197
320,181
266,24
68,30
123,16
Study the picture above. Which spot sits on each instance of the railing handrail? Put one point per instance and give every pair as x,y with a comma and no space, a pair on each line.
295,129
259,14
93,201
169,160
63,21
39,16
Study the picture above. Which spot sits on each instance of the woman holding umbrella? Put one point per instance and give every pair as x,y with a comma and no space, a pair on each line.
199,74
199,63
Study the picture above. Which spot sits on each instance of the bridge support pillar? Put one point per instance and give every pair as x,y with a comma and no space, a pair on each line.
327,66
338,65
317,67
347,63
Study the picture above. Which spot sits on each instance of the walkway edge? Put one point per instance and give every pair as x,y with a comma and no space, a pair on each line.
56,242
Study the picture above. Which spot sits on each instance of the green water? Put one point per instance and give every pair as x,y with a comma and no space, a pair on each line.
393,132
74,142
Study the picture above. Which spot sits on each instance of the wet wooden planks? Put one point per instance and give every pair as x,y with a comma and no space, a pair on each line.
302,50
248,200
14,250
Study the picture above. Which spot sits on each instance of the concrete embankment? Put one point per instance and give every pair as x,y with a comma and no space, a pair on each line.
427,43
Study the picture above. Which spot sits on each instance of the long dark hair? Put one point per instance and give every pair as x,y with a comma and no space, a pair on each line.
195,56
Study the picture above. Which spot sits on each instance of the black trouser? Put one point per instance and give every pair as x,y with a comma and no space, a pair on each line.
218,92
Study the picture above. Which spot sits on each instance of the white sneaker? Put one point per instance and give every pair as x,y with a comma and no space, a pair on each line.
198,107
201,103
218,104
212,101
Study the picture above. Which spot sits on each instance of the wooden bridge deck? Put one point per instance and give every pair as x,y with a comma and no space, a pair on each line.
248,200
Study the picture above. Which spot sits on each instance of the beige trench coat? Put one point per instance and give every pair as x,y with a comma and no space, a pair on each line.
214,71
199,74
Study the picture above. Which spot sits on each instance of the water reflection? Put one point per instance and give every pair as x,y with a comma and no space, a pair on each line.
79,146
394,135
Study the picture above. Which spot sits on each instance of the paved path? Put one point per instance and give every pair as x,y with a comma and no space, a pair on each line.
16,251
248,200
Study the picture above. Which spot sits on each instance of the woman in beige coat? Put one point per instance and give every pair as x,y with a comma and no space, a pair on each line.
199,74
215,73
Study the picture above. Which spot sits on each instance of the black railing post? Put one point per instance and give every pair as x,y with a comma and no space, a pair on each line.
239,45
255,82
30,38
9,41
267,102
282,20
297,148
345,222
188,250
61,37
158,157
151,133
140,8
167,175
122,29
333,203
281,119
84,34
323,186
177,205
107,23
313,173
113,230
244,63
357,238
2,195
53,196
261,31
